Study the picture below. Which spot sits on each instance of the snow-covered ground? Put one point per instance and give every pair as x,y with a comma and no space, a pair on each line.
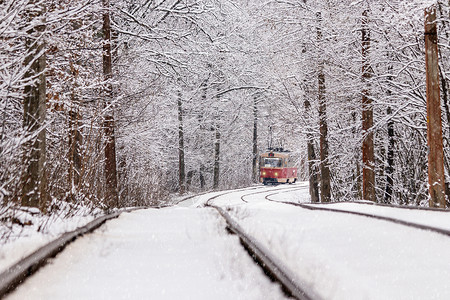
183,252
35,230
352,257
172,253
438,219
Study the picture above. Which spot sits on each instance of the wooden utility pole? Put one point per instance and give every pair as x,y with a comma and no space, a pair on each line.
181,165
325,186
33,177
111,195
367,117
436,179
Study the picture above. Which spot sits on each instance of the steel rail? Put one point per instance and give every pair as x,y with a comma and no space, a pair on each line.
271,265
207,203
287,189
207,192
443,231
15,275
391,205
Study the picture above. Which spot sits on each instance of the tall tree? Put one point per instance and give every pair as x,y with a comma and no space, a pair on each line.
325,177
181,164
368,156
390,158
436,179
255,139
33,178
111,193
313,182
216,171
75,138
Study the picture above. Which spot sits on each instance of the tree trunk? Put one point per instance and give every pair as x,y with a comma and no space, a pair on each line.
436,179
189,176
389,169
367,118
33,178
255,141
75,140
202,168
325,186
202,177
123,185
181,165
356,188
111,195
313,182
216,158
390,159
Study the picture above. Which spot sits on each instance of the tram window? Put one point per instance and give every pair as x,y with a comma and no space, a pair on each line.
272,162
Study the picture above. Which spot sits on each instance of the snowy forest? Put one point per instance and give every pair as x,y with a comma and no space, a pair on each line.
119,103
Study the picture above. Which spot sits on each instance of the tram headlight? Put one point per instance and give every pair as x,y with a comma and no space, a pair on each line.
276,173
263,173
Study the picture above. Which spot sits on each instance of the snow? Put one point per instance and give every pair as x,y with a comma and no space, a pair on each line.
352,257
172,253
19,241
345,256
184,252
438,219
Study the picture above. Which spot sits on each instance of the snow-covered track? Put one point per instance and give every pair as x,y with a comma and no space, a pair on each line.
394,206
320,207
220,193
18,273
281,190
185,199
271,265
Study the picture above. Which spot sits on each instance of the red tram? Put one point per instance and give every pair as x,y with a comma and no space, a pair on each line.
276,166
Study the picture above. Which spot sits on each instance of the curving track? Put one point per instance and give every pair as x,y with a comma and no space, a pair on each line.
421,216
271,265
293,245
406,230
17,274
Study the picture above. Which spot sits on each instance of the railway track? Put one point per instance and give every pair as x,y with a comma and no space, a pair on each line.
320,207
19,272
405,207
335,228
216,196
271,266
281,190
15,275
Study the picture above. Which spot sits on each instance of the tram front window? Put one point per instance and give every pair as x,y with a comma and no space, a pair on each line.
271,162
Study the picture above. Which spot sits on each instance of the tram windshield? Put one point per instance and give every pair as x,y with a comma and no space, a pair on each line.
272,162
